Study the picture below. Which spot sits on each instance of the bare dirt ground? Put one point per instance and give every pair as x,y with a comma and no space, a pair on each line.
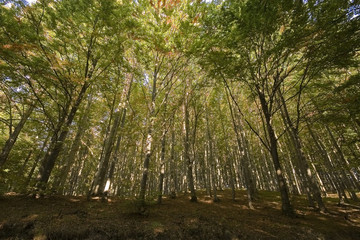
59,217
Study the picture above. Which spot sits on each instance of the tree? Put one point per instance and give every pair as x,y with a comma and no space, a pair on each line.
264,45
62,52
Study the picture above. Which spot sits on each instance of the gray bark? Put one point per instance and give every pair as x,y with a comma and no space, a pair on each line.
149,141
211,160
162,167
188,162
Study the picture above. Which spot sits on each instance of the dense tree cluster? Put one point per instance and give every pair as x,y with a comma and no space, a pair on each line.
144,98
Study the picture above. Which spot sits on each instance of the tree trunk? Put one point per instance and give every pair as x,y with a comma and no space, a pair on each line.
285,201
211,160
100,178
37,159
99,181
173,174
343,164
189,163
311,186
82,125
115,158
241,141
208,171
57,141
162,154
229,167
21,172
162,167
328,164
77,172
149,141
14,135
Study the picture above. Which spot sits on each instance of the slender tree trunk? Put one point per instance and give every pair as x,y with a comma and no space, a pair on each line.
19,182
148,152
108,183
211,159
269,170
229,167
241,141
173,174
328,164
321,183
162,154
37,159
353,178
57,141
162,167
343,165
14,135
149,141
77,175
311,186
189,163
100,178
285,201
25,163
115,160
83,124
208,171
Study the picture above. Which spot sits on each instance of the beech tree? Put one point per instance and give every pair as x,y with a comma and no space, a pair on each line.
268,50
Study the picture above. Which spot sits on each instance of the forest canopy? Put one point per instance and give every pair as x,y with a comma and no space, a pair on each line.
140,99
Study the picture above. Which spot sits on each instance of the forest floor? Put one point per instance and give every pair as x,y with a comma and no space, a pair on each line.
59,217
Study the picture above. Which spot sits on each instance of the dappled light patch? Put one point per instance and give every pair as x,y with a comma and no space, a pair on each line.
74,200
12,194
206,201
158,230
321,218
157,227
242,206
31,217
